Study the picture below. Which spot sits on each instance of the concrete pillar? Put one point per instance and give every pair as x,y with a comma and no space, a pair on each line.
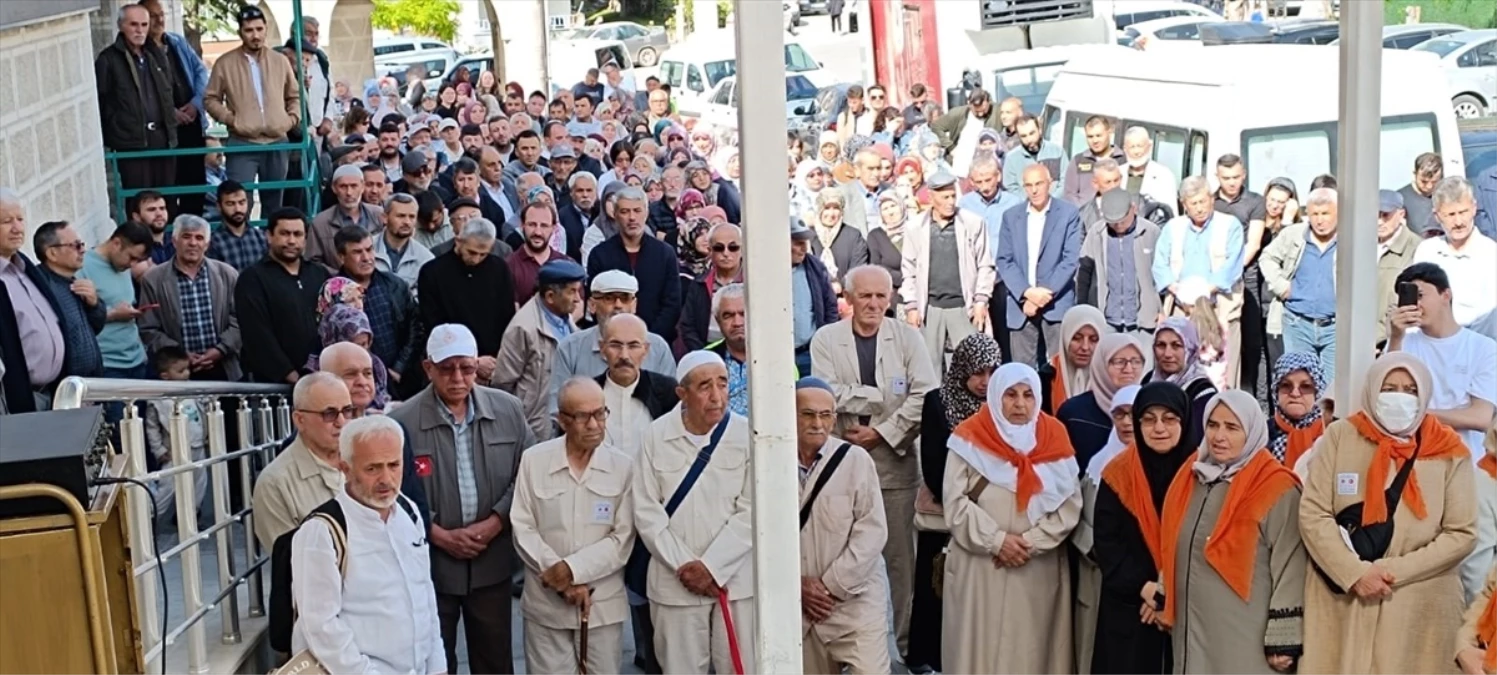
348,40
525,50
1360,140
704,15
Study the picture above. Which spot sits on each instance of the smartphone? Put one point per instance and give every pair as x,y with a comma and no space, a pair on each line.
147,307
1408,293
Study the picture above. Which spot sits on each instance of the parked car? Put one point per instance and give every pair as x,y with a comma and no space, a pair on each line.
1172,28
645,43
398,54
1306,31
829,103
810,7
719,110
1470,61
1126,13
1406,35
694,67
476,63
1479,145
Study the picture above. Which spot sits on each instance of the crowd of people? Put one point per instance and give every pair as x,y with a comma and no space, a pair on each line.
1021,377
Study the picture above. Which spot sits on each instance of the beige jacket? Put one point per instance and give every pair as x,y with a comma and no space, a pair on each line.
524,367
586,522
714,524
230,96
843,542
1400,254
293,484
974,262
904,374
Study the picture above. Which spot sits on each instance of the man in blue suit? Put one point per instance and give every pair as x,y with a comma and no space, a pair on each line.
1039,250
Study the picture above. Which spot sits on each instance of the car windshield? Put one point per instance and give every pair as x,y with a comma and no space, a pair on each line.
717,70
797,87
1438,47
578,34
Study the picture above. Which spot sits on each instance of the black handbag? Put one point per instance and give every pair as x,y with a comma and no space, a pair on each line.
1371,542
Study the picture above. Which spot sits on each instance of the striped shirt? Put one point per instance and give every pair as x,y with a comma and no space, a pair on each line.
462,443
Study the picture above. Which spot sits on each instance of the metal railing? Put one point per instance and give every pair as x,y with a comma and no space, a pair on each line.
264,420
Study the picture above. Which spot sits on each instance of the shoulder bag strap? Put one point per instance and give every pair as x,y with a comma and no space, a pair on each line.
826,475
340,540
978,488
1395,489
695,472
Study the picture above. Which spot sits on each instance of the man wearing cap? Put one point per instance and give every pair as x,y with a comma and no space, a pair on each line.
394,249
468,286
254,92
1299,269
468,440
537,227
706,546
652,262
137,111
449,145
524,363
416,175
563,164
947,272
580,355
348,189
842,591
1116,261
1396,244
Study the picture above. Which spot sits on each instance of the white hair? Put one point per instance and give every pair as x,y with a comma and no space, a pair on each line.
850,280
737,231
582,176
1192,186
730,291
983,163
478,229
311,21
1321,197
1136,132
632,194
119,17
1449,190
190,223
304,386
364,429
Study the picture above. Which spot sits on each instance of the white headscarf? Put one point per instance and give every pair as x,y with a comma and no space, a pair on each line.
1254,422
1061,479
1115,443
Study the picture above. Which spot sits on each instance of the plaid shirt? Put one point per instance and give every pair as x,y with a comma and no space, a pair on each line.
377,306
196,300
239,252
462,444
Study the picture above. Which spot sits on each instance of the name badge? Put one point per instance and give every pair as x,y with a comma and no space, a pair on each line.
901,386
603,512
1346,483
1084,167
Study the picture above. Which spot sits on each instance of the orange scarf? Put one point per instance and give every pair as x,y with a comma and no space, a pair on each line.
1299,439
1057,386
1125,475
1436,441
1232,547
1488,464
1486,632
1052,445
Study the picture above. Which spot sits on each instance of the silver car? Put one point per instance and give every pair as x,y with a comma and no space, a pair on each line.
645,43
1470,60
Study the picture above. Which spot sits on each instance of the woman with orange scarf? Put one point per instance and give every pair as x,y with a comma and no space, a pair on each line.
1476,644
1012,496
1299,382
1390,602
1232,567
1484,557
1067,374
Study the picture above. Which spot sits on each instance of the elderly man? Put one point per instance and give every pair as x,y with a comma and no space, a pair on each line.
32,344
394,318
947,272
574,527
707,551
468,441
987,198
612,293
652,263
255,93
136,101
1079,188
80,313
1396,244
378,614
1039,252
636,397
880,370
470,287
189,79
1466,255
537,225
305,473
1299,268
841,534
860,196
580,209
813,302
1106,175
353,364
1114,272
1200,253
394,249
524,361
350,209
194,299
1145,176
730,314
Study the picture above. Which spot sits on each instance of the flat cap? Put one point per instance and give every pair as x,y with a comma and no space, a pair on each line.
1115,204
563,151
413,161
560,271
615,281
1389,201
941,180
460,202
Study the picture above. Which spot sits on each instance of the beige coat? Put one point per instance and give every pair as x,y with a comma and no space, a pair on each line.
293,484
894,412
586,522
714,523
843,543
1088,580
524,367
974,261
1467,637
1412,631
230,96
997,619
1400,254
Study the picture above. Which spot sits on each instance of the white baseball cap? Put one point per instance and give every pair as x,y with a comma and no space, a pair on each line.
449,340
615,281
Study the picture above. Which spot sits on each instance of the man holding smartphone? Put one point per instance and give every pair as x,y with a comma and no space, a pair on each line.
108,266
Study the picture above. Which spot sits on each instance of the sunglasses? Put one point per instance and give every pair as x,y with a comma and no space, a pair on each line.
331,415
1303,388
719,248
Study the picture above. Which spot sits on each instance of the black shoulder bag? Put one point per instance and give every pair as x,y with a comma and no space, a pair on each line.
637,569
826,475
1371,542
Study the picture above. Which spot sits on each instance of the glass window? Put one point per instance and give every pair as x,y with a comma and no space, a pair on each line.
1403,139
1197,156
1075,133
694,79
1052,118
1481,56
1406,41
733,97
1030,83
394,49
798,87
671,72
1300,153
1439,47
717,70
433,45
797,60
720,96
1170,148
1189,31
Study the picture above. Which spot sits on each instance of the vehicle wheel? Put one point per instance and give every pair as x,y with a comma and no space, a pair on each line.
646,58
1468,107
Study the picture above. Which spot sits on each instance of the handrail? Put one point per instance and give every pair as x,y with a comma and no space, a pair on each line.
73,392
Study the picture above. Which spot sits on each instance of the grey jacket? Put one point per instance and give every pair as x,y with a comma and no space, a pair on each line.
162,327
500,433
1092,275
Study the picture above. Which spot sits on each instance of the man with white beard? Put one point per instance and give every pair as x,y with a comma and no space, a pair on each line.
1145,176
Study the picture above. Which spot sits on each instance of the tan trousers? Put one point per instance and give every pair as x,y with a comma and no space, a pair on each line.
899,558
943,327
689,640
863,651
554,650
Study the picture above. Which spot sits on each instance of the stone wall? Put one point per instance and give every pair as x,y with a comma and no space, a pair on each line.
51,151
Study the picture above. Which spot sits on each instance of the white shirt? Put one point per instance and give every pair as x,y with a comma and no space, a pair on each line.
383,617
966,145
1464,366
1036,235
628,418
1473,275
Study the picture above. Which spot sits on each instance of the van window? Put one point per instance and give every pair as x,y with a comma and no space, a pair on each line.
1075,135
1197,156
671,73
797,60
1180,150
1031,84
615,54
433,45
720,97
1300,153
382,50
717,70
1052,118
1403,138
694,79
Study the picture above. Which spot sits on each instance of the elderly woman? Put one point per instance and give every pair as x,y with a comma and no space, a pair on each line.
811,177
909,181
1012,496
839,247
828,149
604,226
718,191
724,245
348,323
1116,362
1088,574
886,242
1177,348
1067,373
1126,545
1388,514
1232,564
1297,424
1476,644
963,390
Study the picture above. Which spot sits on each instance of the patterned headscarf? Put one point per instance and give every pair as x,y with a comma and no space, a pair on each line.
339,291
690,198
1287,364
343,323
977,353
693,263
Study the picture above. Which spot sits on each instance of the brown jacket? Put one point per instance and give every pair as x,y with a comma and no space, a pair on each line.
162,327
524,368
230,96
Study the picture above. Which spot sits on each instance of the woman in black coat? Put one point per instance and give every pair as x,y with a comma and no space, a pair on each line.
840,246
962,392
1129,503
1117,363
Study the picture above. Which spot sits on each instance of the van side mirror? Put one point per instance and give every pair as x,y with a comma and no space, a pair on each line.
434,73
801,110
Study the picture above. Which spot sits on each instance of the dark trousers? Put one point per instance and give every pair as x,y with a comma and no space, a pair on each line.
644,639
486,625
190,169
836,22
1254,347
998,319
925,614
149,173
245,167
1033,341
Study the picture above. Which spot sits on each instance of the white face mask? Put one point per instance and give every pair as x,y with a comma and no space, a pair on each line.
1136,163
1398,411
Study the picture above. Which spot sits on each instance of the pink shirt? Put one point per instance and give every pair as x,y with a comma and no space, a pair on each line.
41,334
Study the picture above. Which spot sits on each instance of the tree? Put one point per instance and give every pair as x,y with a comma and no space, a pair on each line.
208,17
434,18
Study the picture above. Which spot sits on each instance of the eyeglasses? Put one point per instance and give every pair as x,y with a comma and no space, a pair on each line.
450,369
600,415
330,415
719,248
1126,363
76,245
1303,388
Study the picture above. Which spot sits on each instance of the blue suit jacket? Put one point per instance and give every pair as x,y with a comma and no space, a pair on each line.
1060,256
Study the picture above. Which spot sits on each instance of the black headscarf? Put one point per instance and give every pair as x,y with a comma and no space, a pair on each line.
1160,469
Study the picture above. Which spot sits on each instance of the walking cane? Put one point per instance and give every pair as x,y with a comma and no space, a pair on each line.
582,624
722,602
